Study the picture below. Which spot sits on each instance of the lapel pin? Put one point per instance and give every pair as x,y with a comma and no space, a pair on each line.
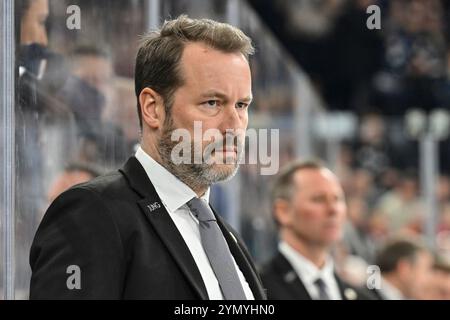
290,276
153,206
350,294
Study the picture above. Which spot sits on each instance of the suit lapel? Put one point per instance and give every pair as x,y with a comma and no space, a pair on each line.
159,218
297,287
290,278
241,260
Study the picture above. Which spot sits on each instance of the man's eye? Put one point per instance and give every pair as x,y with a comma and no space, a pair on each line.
241,105
318,199
211,103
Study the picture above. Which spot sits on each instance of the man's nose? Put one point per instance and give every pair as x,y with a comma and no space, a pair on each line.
231,119
333,207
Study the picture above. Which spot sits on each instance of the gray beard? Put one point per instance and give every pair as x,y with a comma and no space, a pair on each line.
194,175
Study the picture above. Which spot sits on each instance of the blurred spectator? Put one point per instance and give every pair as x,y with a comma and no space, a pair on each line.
89,93
414,57
309,209
444,223
122,112
443,233
405,269
443,189
93,65
378,227
439,285
357,238
72,175
86,93
443,87
330,42
344,166
311,18
362,185
59,120
401,206
372,148
33,16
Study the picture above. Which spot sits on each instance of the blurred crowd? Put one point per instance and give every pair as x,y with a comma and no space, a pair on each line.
384,198
378,75
402,65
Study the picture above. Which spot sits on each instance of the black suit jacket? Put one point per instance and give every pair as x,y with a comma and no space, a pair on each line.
117,231
283,283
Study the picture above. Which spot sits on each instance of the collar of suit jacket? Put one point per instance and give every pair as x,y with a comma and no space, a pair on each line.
158,216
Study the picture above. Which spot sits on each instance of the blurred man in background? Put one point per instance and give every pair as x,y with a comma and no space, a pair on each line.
89,94
405,268
73,174
33,20
310,211
440,282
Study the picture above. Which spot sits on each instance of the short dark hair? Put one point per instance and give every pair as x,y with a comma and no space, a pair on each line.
90,169
397,250
441,264
159,55
282,187
20,9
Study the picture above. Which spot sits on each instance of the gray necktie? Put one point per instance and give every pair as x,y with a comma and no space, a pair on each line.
320,284
217,250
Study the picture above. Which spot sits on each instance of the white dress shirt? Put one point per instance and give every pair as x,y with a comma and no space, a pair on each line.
174,195
309,273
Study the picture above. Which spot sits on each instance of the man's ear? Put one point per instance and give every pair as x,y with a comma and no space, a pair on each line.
281,211
152,108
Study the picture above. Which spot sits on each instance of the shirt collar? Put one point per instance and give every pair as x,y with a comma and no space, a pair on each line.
172,191
306,270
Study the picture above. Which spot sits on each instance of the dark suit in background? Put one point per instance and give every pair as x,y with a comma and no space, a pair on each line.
282,283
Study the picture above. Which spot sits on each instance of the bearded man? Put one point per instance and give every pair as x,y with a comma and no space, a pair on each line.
147,231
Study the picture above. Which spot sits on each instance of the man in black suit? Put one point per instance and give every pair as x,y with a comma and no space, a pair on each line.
309,209
406,270
146,231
